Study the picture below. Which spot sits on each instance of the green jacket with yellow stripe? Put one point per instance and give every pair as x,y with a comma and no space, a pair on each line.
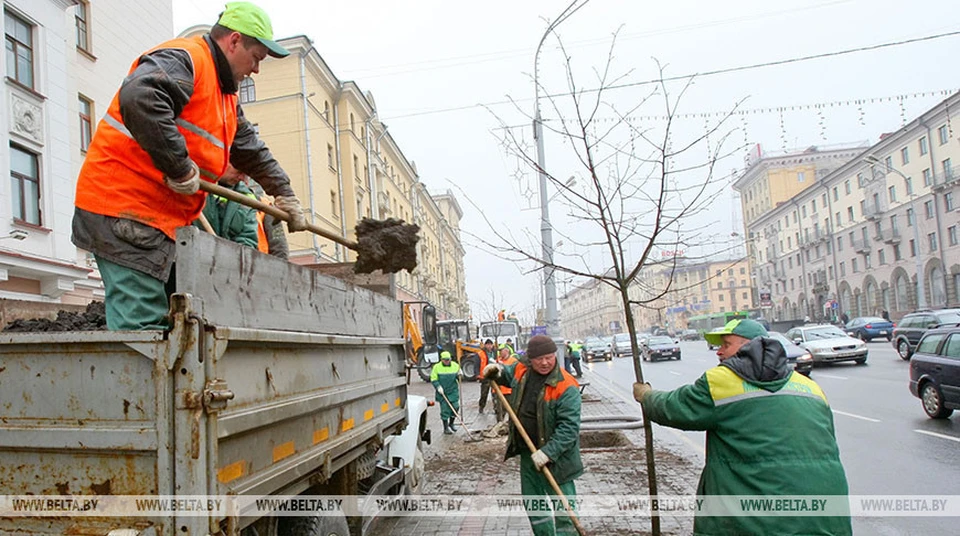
769,433
558,418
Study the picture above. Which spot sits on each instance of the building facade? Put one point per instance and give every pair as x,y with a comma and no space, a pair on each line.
856,241
65,60
591,309
345,165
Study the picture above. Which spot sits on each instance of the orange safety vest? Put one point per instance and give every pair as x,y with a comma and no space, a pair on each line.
263,246
118,177
507,362
550,393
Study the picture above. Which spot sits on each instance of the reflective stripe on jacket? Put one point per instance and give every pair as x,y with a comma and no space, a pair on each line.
118,177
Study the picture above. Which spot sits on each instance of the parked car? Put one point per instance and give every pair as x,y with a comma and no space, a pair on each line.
621,345
596,349
910,329
867,328
828,344
689,335
798,357
935,372
659,347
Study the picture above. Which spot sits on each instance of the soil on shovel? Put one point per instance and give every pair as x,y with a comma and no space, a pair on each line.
93,319
389,245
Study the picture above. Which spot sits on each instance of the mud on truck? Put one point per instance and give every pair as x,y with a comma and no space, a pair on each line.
274,380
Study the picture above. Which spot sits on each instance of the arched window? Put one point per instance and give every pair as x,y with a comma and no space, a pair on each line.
871,302
248,92
901,294
937,290
845,301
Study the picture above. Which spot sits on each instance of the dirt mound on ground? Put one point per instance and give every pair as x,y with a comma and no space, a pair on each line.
93,319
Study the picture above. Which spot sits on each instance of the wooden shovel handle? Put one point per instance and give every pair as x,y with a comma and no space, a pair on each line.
237,197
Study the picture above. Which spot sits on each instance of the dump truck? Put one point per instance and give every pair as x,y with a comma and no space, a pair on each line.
274,380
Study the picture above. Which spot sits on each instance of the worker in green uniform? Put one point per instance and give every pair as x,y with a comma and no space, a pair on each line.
444,376
229,219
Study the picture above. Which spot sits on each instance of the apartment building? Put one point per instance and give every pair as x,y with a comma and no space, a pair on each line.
65,60
345,165
857,240
591,309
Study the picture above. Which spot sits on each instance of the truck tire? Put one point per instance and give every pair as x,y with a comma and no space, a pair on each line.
313,526
423,368
470,366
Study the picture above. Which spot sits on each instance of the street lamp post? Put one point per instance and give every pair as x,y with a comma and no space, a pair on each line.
921,290
546,229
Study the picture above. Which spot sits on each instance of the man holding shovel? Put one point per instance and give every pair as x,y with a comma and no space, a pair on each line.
174,122
444,377
546,400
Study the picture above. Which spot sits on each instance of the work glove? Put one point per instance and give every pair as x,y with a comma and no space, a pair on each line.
640,390
186,185
491,371
291,205
440,390
539,459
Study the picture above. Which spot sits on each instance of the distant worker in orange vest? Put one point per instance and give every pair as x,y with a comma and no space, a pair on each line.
501,316
506,359
175,121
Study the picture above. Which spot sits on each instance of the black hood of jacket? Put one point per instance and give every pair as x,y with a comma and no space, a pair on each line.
760,360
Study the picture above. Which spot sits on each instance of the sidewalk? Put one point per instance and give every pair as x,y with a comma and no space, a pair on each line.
614,464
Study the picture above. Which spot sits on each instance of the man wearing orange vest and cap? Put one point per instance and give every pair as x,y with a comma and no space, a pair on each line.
174,122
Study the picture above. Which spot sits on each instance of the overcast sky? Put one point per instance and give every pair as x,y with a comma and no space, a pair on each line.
432,64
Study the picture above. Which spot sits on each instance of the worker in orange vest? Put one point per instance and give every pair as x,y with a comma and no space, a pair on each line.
175,121
505,358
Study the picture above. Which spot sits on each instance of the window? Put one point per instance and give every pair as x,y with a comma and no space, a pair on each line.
853,265
25,185
799,176
923,145
743,282
927,179
889,162
86,123
947,169
843,269
932,241
839,244
823,200
19,49
352,126
952,235
893,223
943,133
928,208
330,157
839,221
743,270
850,213
744,295
326,110
881,256
836,194
910,219
905,155
867,263
803,211
930,343
721,297
896,252
248,93
846,186
82,15
333,204
952,348
913,248
860,180
948,201
720,284
356,167
892,192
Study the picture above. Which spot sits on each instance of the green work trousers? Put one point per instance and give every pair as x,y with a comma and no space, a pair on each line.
533,486
134,300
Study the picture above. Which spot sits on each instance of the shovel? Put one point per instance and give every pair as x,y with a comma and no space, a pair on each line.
546,471
470,437
389,245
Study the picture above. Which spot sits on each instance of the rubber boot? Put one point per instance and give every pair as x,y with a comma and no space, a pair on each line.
453,425
446,428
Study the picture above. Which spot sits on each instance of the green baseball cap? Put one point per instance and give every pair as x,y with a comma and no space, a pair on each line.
445,355
251,20
746,328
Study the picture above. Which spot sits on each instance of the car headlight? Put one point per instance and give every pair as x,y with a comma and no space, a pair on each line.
805,358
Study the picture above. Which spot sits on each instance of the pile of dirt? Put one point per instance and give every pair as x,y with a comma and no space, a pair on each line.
604,439
389,245
93,319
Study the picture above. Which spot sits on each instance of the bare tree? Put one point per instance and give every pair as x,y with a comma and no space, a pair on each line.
647,188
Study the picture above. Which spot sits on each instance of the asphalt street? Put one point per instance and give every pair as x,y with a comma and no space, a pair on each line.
887,443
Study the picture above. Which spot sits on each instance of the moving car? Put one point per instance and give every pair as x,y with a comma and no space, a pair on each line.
689,335
828,344
935,372
798,357
595,349
621,345
907,334
659,347
867,328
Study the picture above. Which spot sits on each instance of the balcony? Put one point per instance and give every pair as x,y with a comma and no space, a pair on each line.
890,236
944,179
780,275
873,212
861,246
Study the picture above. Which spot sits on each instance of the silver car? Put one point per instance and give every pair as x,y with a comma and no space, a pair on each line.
829,344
